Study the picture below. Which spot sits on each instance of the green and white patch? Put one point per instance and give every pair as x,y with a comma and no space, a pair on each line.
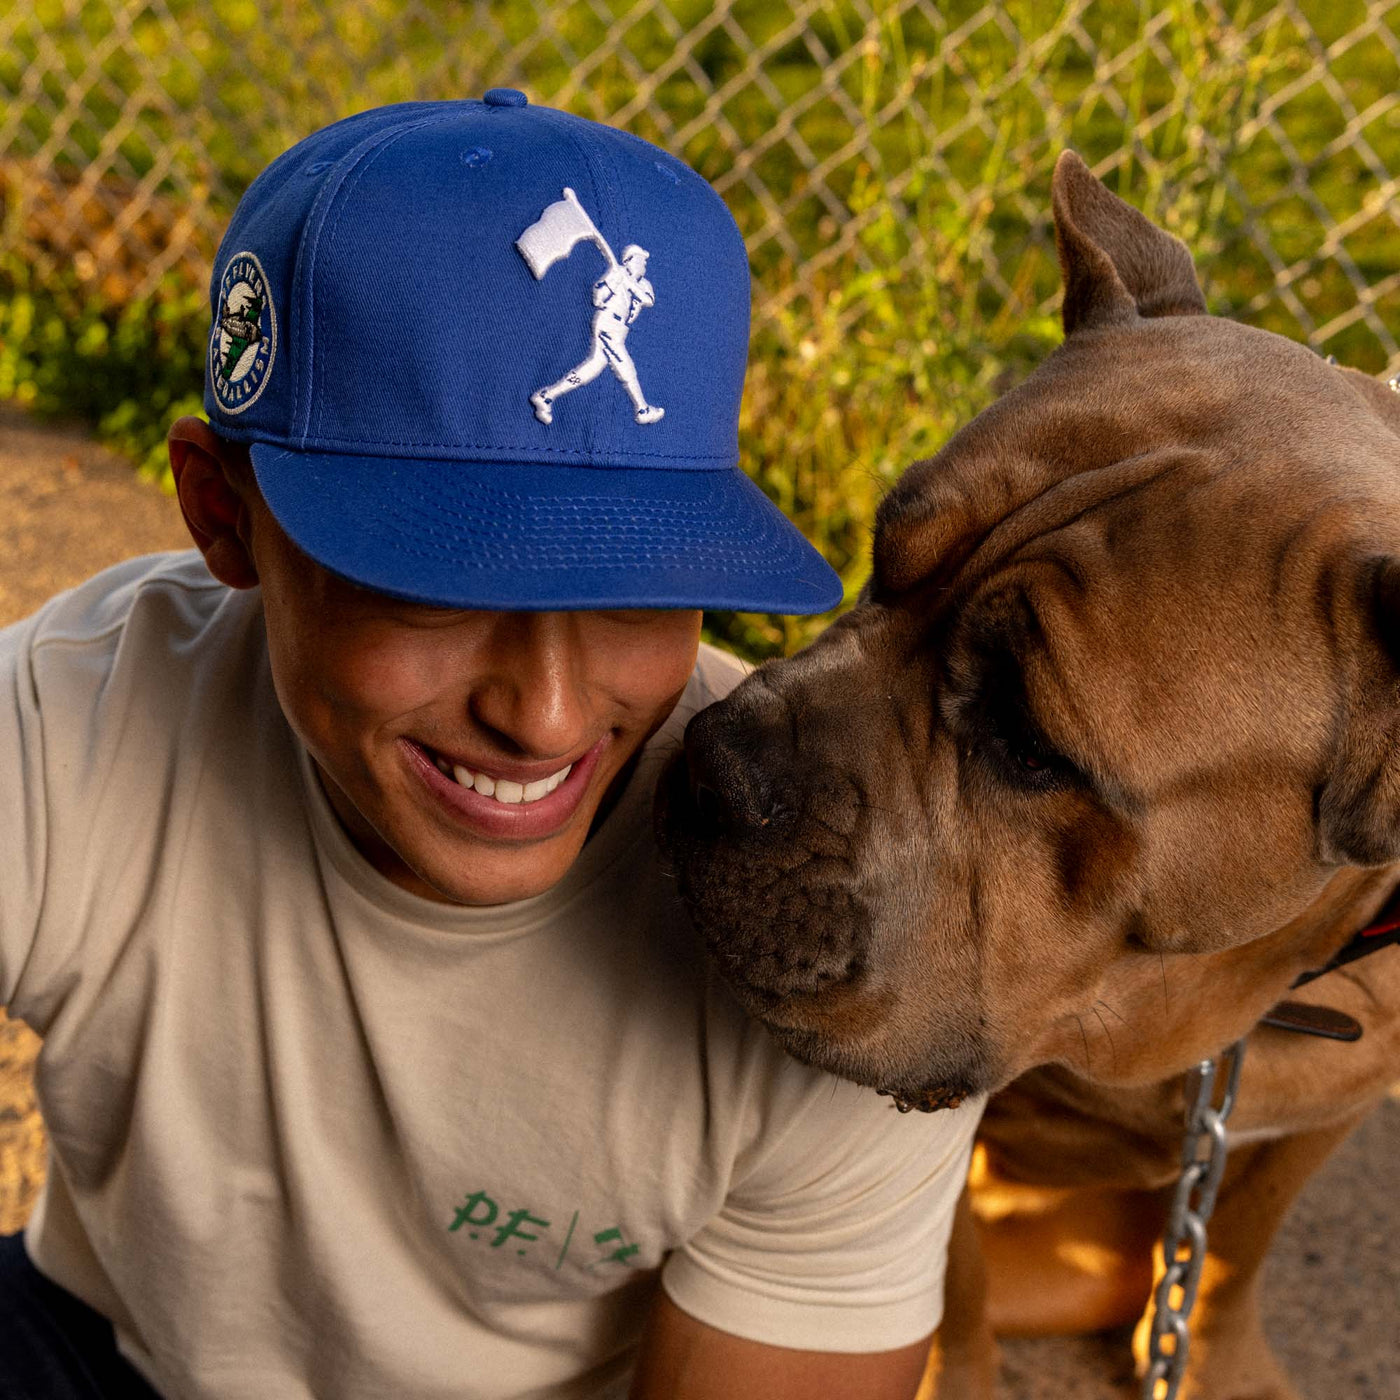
243,339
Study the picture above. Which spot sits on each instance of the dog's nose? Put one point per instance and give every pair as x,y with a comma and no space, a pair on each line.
729,789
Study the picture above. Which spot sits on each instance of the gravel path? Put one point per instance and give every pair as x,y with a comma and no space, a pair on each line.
68,508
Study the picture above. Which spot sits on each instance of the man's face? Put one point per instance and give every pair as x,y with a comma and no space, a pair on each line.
533,715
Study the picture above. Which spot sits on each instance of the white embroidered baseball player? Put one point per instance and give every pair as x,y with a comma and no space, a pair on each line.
619,296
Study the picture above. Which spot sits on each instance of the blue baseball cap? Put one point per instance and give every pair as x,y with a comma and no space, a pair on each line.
490,355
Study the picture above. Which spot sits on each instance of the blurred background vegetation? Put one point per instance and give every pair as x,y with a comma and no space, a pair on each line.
887,160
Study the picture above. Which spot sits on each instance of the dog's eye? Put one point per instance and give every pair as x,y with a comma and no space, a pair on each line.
1024,755
999,720
1031,756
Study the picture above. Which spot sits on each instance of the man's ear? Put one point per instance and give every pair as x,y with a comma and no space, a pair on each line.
1358,807
1117,264
215,513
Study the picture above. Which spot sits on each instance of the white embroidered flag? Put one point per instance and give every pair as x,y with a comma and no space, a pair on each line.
556,232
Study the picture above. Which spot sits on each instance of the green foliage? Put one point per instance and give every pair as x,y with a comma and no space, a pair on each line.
843,394
130,371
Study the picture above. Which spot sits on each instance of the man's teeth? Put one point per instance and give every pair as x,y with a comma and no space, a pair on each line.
503,789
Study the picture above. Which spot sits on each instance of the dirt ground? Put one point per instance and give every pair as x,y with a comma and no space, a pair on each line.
1332,1289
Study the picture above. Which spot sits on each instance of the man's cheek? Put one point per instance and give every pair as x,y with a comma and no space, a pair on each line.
378,683
659,671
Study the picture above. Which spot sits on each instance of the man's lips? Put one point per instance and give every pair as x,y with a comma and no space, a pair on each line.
523,773
489,815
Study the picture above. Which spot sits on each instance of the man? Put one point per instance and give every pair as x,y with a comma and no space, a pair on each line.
378,1056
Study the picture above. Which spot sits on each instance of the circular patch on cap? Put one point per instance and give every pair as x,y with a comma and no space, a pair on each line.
243,339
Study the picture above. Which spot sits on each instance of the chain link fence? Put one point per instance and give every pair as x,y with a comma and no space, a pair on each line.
894,137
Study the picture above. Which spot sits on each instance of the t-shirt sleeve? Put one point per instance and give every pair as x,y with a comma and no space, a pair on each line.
835,1237
23,825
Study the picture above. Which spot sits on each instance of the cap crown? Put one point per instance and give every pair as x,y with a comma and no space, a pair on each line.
376,293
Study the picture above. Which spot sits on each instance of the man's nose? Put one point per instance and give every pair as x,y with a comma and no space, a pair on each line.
531,695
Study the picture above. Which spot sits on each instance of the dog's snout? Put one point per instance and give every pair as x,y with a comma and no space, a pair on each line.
730,790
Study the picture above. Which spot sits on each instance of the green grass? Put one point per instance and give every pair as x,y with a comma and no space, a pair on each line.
862,361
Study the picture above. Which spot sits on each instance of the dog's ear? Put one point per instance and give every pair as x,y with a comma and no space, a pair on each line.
1358,807
1117,264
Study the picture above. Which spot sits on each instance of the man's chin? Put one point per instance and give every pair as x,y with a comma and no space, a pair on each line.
482,873
424,856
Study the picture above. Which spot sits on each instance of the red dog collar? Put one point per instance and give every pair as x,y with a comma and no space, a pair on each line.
1308,1018
1380,933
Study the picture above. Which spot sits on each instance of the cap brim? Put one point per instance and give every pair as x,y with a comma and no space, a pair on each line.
504,537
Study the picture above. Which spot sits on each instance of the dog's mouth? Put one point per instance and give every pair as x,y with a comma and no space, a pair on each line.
801,947
912,1078
931,1100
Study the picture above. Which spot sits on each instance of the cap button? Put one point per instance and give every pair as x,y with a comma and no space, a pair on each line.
505,97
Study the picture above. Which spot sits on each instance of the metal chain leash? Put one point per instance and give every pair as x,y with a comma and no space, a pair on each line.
1203,1151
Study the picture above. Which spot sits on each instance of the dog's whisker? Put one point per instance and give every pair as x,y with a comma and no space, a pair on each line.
1085,1036
1111,1011
1112,1047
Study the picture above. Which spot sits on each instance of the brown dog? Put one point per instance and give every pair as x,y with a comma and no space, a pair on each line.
1107,756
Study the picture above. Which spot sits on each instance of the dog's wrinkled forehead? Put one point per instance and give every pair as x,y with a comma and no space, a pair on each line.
1201,396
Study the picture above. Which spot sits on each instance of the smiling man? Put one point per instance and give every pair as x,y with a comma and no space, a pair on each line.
379,1058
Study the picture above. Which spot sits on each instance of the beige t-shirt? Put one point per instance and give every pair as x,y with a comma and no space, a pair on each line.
312,1135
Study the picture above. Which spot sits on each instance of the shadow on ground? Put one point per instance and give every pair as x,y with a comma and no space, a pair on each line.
1332,1285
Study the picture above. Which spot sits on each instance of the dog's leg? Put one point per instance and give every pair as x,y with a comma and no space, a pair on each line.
963,1363
1230,1358
1083,1266
1063,1260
